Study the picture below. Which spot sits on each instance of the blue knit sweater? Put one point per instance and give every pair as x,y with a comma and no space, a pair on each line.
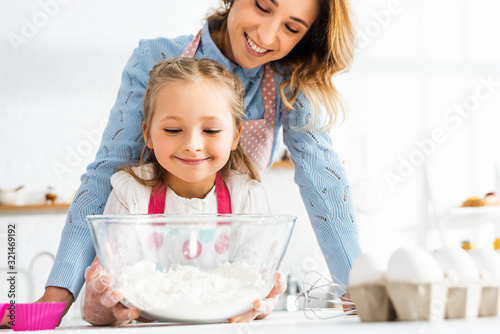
318,170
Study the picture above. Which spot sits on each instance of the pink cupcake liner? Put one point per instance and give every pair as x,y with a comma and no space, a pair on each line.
37,316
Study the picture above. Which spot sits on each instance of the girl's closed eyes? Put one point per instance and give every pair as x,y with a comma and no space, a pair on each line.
207,131
212,131
172,131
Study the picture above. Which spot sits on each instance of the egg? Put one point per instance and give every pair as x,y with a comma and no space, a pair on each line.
413,264
488,262
456,262
367,269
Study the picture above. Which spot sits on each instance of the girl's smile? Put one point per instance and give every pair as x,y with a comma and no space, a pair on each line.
192,161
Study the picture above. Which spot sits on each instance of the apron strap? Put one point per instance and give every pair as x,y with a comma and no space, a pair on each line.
223,196
158,197
157,200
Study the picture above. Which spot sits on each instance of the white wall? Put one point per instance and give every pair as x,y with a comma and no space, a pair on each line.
415,66
60,84
418,59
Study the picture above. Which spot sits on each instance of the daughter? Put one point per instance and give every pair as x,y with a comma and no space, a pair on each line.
193,111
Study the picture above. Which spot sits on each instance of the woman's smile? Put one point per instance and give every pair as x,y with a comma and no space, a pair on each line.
261,31
255,48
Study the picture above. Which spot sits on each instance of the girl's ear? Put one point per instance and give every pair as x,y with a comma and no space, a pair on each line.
237,136
147,139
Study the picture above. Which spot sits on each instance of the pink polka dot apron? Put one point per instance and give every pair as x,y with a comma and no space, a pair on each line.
258,135
192,250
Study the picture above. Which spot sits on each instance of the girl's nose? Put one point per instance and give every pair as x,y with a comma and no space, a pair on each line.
193,142
267,32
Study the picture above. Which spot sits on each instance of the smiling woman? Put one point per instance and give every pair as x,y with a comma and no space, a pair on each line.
315,40
267,31
285,53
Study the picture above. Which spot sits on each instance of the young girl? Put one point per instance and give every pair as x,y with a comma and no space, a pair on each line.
193,111
286,53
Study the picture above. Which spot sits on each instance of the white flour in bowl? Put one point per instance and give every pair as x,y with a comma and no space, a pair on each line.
185,293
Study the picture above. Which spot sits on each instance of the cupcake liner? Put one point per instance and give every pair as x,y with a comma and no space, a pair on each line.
490,301
372,302
463,301
37,316
418,301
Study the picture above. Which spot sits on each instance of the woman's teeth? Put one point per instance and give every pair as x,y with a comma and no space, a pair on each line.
255,47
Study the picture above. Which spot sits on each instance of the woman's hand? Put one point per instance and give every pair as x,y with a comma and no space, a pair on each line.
101,304
52,294
262,308
345,298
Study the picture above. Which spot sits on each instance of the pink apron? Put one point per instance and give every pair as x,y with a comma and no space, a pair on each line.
258,135
157,206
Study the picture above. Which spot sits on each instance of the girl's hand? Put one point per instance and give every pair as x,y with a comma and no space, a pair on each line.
101,304
262,308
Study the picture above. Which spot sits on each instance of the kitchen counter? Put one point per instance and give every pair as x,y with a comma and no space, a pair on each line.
296,322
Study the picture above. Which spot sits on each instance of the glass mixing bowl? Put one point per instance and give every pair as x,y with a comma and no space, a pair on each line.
191,268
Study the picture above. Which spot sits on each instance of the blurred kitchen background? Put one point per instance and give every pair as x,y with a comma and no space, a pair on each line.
421,134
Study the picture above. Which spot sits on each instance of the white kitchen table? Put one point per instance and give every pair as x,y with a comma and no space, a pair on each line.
295,322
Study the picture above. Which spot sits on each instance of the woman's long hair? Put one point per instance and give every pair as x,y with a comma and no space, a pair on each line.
326,50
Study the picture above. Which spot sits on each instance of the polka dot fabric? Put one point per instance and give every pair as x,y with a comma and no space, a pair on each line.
192,46
192,248
257,135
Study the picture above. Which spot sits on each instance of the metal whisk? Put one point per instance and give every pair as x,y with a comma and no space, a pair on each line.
326,290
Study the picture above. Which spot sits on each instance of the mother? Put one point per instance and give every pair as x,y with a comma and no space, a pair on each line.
286,53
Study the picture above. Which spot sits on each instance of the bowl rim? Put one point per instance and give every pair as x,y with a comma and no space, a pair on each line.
175,219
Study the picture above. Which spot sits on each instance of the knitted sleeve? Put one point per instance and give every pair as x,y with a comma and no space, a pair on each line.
324,188
122,141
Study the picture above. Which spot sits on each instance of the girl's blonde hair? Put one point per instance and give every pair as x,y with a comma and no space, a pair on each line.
325,51
193,71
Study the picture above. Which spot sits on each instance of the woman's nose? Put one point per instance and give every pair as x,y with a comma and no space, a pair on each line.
267,32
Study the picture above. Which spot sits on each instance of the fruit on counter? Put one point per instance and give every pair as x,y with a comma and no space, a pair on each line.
472,201
50,196
467,245
496,244
490,199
